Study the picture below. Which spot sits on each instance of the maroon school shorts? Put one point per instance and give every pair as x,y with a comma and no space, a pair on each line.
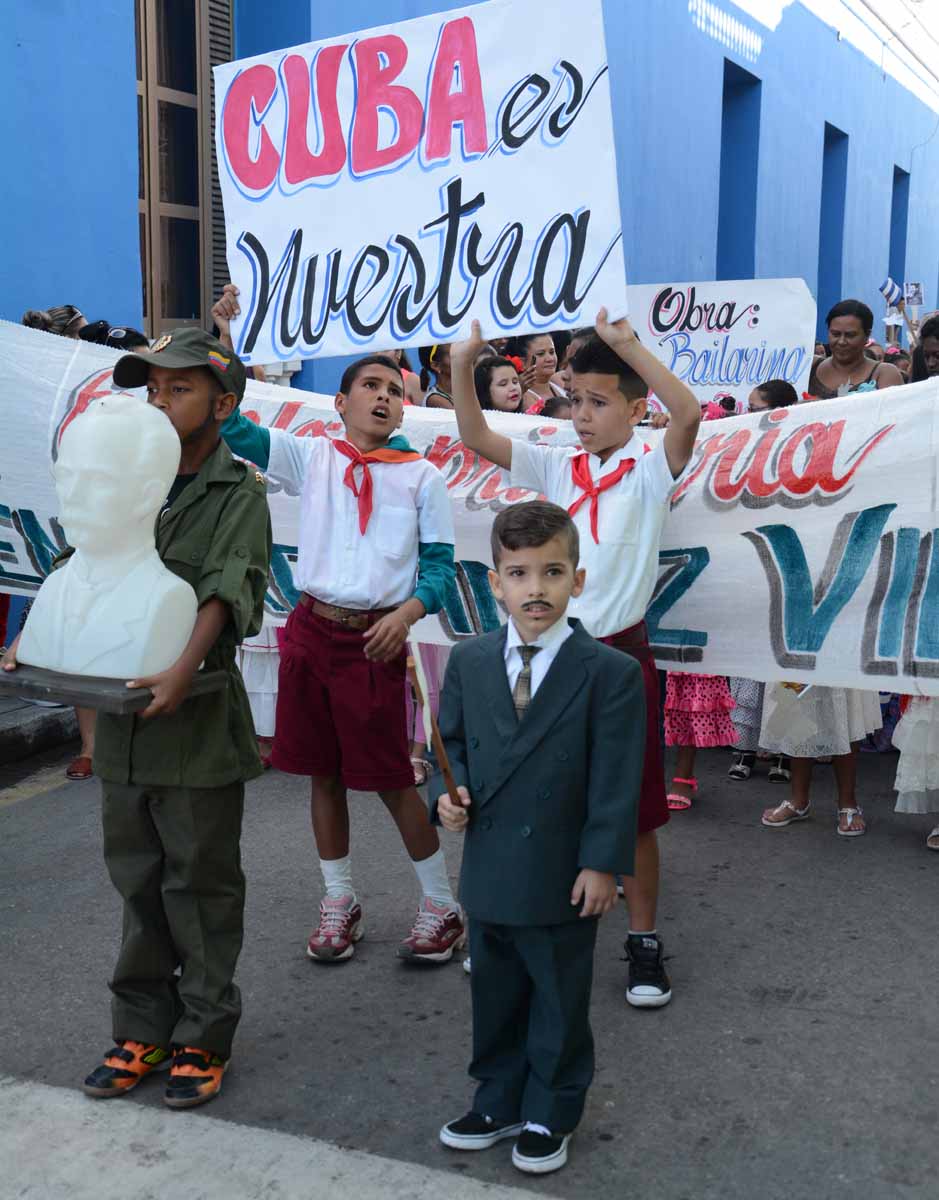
653,808
339,713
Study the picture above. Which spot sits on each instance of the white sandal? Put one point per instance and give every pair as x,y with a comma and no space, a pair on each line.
798,814
850,813
932,839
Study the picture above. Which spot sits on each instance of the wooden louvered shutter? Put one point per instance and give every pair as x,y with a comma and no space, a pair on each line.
217,41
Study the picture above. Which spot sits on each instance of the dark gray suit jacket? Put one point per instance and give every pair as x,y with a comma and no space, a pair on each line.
552,794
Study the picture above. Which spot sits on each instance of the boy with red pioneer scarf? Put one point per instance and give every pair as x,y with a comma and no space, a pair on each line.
617,489
375,554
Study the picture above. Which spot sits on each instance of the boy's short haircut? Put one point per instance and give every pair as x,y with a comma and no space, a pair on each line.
522,526
352,372
596,357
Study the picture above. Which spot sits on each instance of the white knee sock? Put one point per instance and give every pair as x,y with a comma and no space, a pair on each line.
435,884
337,875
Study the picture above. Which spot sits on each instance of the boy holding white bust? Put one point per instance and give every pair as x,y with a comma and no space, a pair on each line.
173,777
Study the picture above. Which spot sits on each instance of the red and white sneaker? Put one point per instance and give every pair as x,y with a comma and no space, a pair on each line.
340,927
437,931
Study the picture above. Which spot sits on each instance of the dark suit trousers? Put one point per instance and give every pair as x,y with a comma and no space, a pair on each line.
173,854
532,1045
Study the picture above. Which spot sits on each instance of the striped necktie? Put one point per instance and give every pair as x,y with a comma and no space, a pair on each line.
521,693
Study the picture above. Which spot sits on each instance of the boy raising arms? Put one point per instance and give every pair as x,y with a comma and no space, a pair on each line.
375,554
544,728
618,496
173,777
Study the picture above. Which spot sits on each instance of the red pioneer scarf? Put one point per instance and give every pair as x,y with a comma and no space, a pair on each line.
580,473
363,492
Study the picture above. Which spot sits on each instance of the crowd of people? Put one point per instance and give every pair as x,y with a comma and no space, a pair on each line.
567,817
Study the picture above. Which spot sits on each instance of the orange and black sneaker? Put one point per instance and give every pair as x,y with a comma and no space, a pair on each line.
123,1068
195,1077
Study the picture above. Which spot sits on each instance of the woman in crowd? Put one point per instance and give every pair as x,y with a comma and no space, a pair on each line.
848,368
748,693
925,358
65,319
435,376
539,363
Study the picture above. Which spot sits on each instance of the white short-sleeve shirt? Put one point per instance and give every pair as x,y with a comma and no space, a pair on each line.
622,569
335,562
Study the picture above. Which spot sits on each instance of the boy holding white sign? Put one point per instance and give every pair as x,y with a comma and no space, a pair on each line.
618,492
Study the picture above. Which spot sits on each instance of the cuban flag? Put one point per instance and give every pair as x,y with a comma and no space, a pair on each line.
891,292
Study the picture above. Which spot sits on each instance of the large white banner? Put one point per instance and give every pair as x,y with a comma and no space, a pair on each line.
384,188
802,543
729,335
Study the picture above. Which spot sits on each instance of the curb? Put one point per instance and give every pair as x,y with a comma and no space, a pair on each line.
29,730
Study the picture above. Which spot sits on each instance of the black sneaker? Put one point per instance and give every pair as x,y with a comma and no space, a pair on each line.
538,1151
476,1131
649,985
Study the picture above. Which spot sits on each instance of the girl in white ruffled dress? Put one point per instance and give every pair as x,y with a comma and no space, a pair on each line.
917,738
811,723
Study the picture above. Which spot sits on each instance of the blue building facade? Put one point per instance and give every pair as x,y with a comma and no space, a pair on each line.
744,150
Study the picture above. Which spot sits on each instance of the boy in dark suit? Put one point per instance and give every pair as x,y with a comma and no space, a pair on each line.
545,729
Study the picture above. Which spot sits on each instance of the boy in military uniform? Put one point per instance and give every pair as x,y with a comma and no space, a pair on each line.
173,777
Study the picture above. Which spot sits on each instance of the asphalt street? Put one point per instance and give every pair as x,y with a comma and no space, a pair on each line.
797,1059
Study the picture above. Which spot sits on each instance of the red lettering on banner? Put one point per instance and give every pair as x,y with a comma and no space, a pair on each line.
95,386
299,164
247,100
286,414
446,108
817,442
379,61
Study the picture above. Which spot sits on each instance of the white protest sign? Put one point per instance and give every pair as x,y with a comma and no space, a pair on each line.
387,187
730,335
803,543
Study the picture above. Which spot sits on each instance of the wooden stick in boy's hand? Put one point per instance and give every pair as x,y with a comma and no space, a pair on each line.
436,741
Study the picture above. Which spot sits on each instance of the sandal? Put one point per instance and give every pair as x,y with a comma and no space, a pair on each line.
932,839
79,768
742,765
675,801
796,814
421,768
850,813
779,771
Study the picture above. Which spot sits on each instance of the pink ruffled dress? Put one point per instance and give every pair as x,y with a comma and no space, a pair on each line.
697,711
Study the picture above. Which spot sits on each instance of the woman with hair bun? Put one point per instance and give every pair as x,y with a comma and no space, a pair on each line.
66,320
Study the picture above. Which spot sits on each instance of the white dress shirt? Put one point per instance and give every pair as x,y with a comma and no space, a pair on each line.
549,643
623,568
335,562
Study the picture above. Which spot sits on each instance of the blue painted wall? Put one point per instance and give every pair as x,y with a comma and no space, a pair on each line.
69,132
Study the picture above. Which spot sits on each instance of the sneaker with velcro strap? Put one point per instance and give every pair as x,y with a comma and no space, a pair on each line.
124,1065
538,1151
476,1131
195,1077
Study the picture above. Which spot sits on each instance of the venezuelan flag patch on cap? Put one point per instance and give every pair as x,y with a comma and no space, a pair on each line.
219,360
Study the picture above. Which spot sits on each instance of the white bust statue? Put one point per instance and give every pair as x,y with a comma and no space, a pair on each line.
113,609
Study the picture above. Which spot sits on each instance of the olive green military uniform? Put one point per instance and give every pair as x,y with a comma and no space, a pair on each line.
173,786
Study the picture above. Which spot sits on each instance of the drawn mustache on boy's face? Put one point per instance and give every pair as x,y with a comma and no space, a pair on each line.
539,604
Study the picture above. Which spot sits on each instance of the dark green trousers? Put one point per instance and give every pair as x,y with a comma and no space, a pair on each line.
174,856
532,1045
